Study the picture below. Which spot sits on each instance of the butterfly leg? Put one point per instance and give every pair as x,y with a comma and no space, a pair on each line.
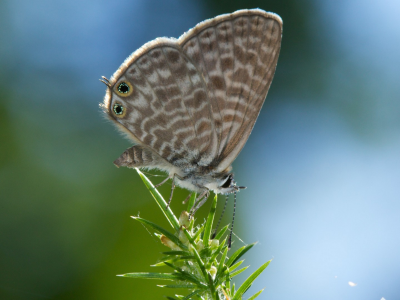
173,187
200,201
187,198
161,183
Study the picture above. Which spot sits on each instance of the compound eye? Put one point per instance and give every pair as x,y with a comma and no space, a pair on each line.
119,110
227,183
124,89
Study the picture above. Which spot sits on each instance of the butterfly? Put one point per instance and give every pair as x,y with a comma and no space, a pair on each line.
190,104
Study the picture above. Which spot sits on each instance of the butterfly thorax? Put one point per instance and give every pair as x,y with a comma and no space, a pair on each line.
218,182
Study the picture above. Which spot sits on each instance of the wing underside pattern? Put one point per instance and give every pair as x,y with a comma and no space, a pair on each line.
195,99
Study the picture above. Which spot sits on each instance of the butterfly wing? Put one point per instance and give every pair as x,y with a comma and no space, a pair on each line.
194,101
163,104
237,54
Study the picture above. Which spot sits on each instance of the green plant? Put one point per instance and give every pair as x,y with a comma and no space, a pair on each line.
199,262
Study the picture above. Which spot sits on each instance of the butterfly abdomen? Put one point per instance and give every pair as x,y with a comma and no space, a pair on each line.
137,157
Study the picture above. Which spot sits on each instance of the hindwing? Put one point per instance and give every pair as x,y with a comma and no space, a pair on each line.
194,100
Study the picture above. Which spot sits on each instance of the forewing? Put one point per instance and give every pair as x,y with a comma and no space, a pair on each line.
167,109
237,56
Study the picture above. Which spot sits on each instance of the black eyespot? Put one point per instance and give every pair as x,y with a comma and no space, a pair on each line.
118,109
123,88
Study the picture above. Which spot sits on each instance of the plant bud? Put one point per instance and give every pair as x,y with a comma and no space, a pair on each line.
213,271
199,245
214,244
184,219
167,242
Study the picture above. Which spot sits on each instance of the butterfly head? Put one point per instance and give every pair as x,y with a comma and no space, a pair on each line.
228,185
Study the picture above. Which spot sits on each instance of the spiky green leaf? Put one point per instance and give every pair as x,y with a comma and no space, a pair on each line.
238,254
235,266
198,232
184,275
255,295
222,261
177,286
221,232
192,199
200,263
248,282
209,223
216,253
177,253
233,274
172,219
191,295
151,275
161,230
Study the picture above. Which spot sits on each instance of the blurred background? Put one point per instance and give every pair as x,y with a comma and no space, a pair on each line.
322,165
